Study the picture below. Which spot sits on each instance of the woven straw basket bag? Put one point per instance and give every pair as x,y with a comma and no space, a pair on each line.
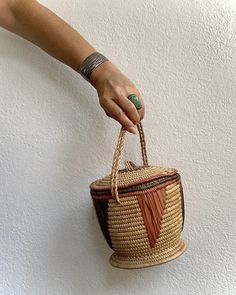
140,210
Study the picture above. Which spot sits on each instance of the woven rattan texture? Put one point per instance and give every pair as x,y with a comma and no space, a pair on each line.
147,234
126,177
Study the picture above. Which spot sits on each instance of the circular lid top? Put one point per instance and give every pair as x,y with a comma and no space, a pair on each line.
133,175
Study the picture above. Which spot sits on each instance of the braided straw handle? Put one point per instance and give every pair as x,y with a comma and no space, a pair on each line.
117,158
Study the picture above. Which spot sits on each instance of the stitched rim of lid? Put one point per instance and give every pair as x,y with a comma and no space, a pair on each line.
139,175
138,188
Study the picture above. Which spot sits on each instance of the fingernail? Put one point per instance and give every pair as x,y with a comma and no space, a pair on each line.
133,130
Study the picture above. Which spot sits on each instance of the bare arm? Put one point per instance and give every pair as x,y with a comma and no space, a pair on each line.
36,23
39,25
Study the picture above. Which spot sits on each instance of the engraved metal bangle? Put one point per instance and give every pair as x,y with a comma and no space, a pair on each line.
90,64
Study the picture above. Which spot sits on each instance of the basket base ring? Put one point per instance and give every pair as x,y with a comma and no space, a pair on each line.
147,261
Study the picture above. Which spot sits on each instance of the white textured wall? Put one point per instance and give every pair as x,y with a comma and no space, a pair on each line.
55,140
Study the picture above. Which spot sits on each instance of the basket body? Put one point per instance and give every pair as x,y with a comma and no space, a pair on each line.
144,229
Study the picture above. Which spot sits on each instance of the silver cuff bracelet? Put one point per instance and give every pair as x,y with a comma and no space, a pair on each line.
90,64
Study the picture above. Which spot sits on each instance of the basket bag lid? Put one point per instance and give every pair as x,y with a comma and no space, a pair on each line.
132,175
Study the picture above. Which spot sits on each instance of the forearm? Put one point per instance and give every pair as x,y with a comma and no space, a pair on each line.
36,23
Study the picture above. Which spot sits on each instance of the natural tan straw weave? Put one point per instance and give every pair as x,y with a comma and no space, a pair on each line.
140,210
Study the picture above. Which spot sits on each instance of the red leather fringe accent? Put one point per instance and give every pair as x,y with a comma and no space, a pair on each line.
152,205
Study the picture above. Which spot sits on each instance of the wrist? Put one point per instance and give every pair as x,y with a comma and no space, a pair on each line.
102,72
91,63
